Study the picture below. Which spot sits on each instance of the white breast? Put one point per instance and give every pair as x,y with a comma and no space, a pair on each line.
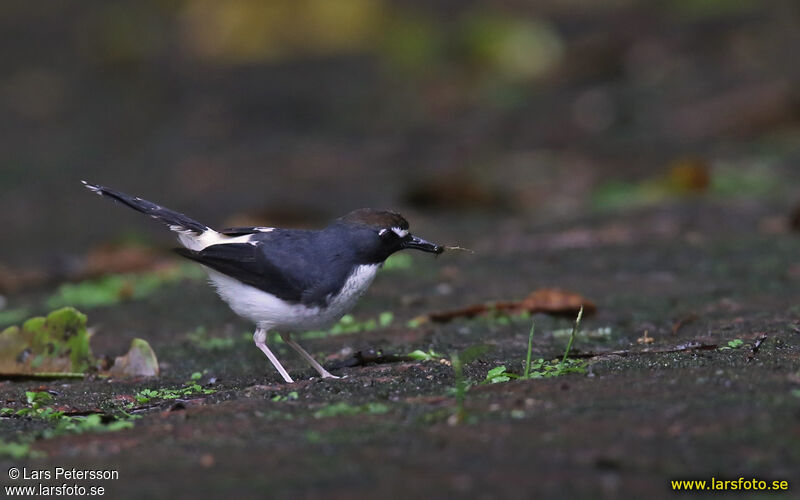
270,312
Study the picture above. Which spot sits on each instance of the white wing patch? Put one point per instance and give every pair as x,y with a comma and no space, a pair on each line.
197,242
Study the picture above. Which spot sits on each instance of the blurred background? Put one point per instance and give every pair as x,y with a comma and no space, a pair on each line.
641,153
290,112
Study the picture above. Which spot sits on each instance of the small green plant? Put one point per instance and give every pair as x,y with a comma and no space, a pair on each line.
572,337
415,322
89,423
424,356
36,408
190,388
499,374
37,399
527,372
554,368
344,409
349,324
733,344
540,368
64,424
457,361
460,388
292,396
385,319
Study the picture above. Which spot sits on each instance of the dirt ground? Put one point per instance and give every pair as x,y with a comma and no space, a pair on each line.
672,213
628,425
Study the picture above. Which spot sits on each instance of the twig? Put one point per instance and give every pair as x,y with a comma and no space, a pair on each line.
459,248
690,346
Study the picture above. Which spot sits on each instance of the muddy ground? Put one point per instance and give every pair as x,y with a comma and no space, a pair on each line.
670,209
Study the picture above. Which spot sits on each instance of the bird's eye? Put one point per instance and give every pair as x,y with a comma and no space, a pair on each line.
386,234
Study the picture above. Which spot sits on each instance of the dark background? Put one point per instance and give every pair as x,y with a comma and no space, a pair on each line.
642,154
293,112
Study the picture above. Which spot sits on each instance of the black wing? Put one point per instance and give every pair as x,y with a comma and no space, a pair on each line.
300,277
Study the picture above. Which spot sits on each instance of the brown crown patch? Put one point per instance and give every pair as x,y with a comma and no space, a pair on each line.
376,218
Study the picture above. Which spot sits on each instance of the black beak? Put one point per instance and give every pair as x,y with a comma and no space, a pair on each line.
420,244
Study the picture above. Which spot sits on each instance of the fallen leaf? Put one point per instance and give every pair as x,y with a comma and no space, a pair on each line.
555,302
546,300
689,175
140,361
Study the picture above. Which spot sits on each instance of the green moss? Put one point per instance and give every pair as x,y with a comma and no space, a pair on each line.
34,324
58,343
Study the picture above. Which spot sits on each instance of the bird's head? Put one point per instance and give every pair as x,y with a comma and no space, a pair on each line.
380,233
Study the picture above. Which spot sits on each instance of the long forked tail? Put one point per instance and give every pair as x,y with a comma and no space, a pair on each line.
189,229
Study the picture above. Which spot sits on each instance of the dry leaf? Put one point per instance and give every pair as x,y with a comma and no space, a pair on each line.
140,361
546,300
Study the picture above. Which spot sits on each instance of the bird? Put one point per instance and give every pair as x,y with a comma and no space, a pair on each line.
287,280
